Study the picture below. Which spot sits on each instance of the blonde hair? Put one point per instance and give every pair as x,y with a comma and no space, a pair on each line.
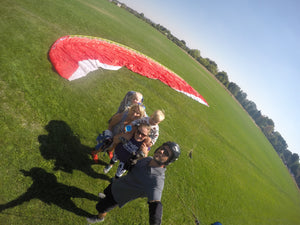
158,116
139,107
136,95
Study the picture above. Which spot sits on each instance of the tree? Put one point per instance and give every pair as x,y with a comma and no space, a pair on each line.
195,53
264,121
162,29
268,130
211,66
223,78
241,96
298,181
256,116
203,61
278,142
294,159
251,108
233,88
294,169
287,156
267,126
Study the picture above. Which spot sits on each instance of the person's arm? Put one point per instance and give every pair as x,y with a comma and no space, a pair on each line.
155,212
145,147
120,138
115,120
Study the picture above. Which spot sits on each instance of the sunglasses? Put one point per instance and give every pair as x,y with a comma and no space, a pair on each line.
140,133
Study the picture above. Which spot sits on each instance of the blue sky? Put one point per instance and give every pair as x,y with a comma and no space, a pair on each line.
257,43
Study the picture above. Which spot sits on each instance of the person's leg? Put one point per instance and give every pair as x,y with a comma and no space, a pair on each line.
104,205
110,165
108,203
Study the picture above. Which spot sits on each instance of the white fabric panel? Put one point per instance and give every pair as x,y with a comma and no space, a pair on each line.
89,65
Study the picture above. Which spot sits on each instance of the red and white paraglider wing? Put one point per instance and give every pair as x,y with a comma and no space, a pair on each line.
74,57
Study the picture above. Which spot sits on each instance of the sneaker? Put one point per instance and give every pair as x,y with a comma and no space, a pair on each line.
107,168
101,195
110,154
95,157
94,219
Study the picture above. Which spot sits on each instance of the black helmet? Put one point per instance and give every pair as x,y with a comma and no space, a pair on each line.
174,147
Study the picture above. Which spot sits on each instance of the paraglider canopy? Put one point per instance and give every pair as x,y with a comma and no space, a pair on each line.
74,57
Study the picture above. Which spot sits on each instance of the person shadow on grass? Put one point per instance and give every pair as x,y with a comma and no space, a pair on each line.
63,146
46,188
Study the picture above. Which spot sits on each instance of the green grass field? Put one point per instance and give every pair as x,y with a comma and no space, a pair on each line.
48,126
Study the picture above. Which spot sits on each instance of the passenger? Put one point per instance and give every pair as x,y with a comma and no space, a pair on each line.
128,144
117,126
156,118
131,98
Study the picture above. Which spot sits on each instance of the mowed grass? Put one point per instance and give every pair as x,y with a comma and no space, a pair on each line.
48,126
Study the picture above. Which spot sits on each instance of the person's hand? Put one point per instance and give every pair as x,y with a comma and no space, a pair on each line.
143,150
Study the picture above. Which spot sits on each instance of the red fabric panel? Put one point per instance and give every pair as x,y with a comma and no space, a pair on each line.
67,51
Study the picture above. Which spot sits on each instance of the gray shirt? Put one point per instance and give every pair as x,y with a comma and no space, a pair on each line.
141,181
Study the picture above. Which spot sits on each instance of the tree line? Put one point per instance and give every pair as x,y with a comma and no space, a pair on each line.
267,126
